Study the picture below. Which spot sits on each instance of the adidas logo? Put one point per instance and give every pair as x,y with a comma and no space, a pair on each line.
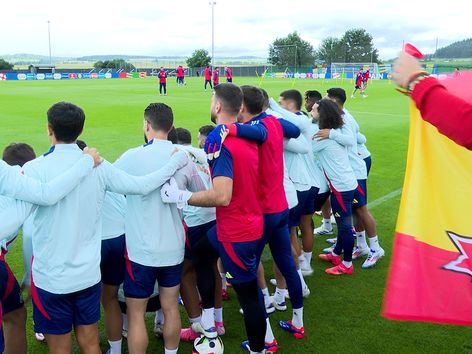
228,275
354,201
336,215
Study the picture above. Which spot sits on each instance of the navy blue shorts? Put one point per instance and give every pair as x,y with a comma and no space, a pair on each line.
140,279
240,260
112,263
10,292
360,194
58,313
320,199
194,235
368,163
305,206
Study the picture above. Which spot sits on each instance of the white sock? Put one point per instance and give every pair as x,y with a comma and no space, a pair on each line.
279,295
269,337
374,243
170,351
115,346
307,256
125,321
208,317
327,224
347,264
159,317
219,314
302,261
361,241
223,280
297,317
195,319
301,279
253,352
267,301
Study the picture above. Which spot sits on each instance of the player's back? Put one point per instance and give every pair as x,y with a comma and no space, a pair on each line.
66,236
336,165
351,127
271,168
154,231
241,220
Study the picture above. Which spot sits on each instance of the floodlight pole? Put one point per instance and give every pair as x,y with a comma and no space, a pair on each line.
49,37
212,3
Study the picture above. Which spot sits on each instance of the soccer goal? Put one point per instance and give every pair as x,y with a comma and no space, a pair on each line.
349,70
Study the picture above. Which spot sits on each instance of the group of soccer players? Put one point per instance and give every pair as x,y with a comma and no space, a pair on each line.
170,217
361,80
212,77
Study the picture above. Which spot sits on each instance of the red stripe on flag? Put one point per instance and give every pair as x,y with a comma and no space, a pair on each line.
419,288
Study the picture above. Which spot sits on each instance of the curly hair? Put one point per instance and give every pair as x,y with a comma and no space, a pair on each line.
329,115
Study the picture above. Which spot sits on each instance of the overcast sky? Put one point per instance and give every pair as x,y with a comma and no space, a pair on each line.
242,27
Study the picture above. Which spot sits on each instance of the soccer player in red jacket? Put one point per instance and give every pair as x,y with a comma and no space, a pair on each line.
269,133
207,75
180,75
358,84
235,194
228,74
365,79
216,77
162,75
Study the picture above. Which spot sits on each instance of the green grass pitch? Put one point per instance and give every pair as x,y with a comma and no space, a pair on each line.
341,314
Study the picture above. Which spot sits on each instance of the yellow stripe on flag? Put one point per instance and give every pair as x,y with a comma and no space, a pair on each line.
437,193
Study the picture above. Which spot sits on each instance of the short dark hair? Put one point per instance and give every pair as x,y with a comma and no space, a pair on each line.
313,95
293,95
81,144
253,99
66,121
17,154
338,93
330,115
172,135
206,129
184,137
230,96
160,116
266,97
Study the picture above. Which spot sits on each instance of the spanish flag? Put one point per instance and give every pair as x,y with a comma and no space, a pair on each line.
430,276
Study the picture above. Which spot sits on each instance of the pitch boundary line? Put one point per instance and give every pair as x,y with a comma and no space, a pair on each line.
384,198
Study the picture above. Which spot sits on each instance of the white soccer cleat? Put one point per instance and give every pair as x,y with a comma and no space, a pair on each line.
360,252
280,306
306,291
329,249
373,258
39,337
332,240
306,269
158,330
322,230
210,333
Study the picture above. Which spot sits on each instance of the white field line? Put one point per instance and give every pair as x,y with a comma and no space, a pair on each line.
384,198
380,114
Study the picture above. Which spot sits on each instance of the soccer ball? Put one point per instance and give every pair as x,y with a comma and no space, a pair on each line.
204,345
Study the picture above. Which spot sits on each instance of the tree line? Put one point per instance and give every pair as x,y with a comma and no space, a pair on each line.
461,49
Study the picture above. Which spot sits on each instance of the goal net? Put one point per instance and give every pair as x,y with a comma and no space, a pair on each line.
349,70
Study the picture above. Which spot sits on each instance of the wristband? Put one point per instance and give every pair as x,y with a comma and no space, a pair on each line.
415,81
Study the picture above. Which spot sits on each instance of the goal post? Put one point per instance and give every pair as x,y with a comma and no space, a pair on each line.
348,71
